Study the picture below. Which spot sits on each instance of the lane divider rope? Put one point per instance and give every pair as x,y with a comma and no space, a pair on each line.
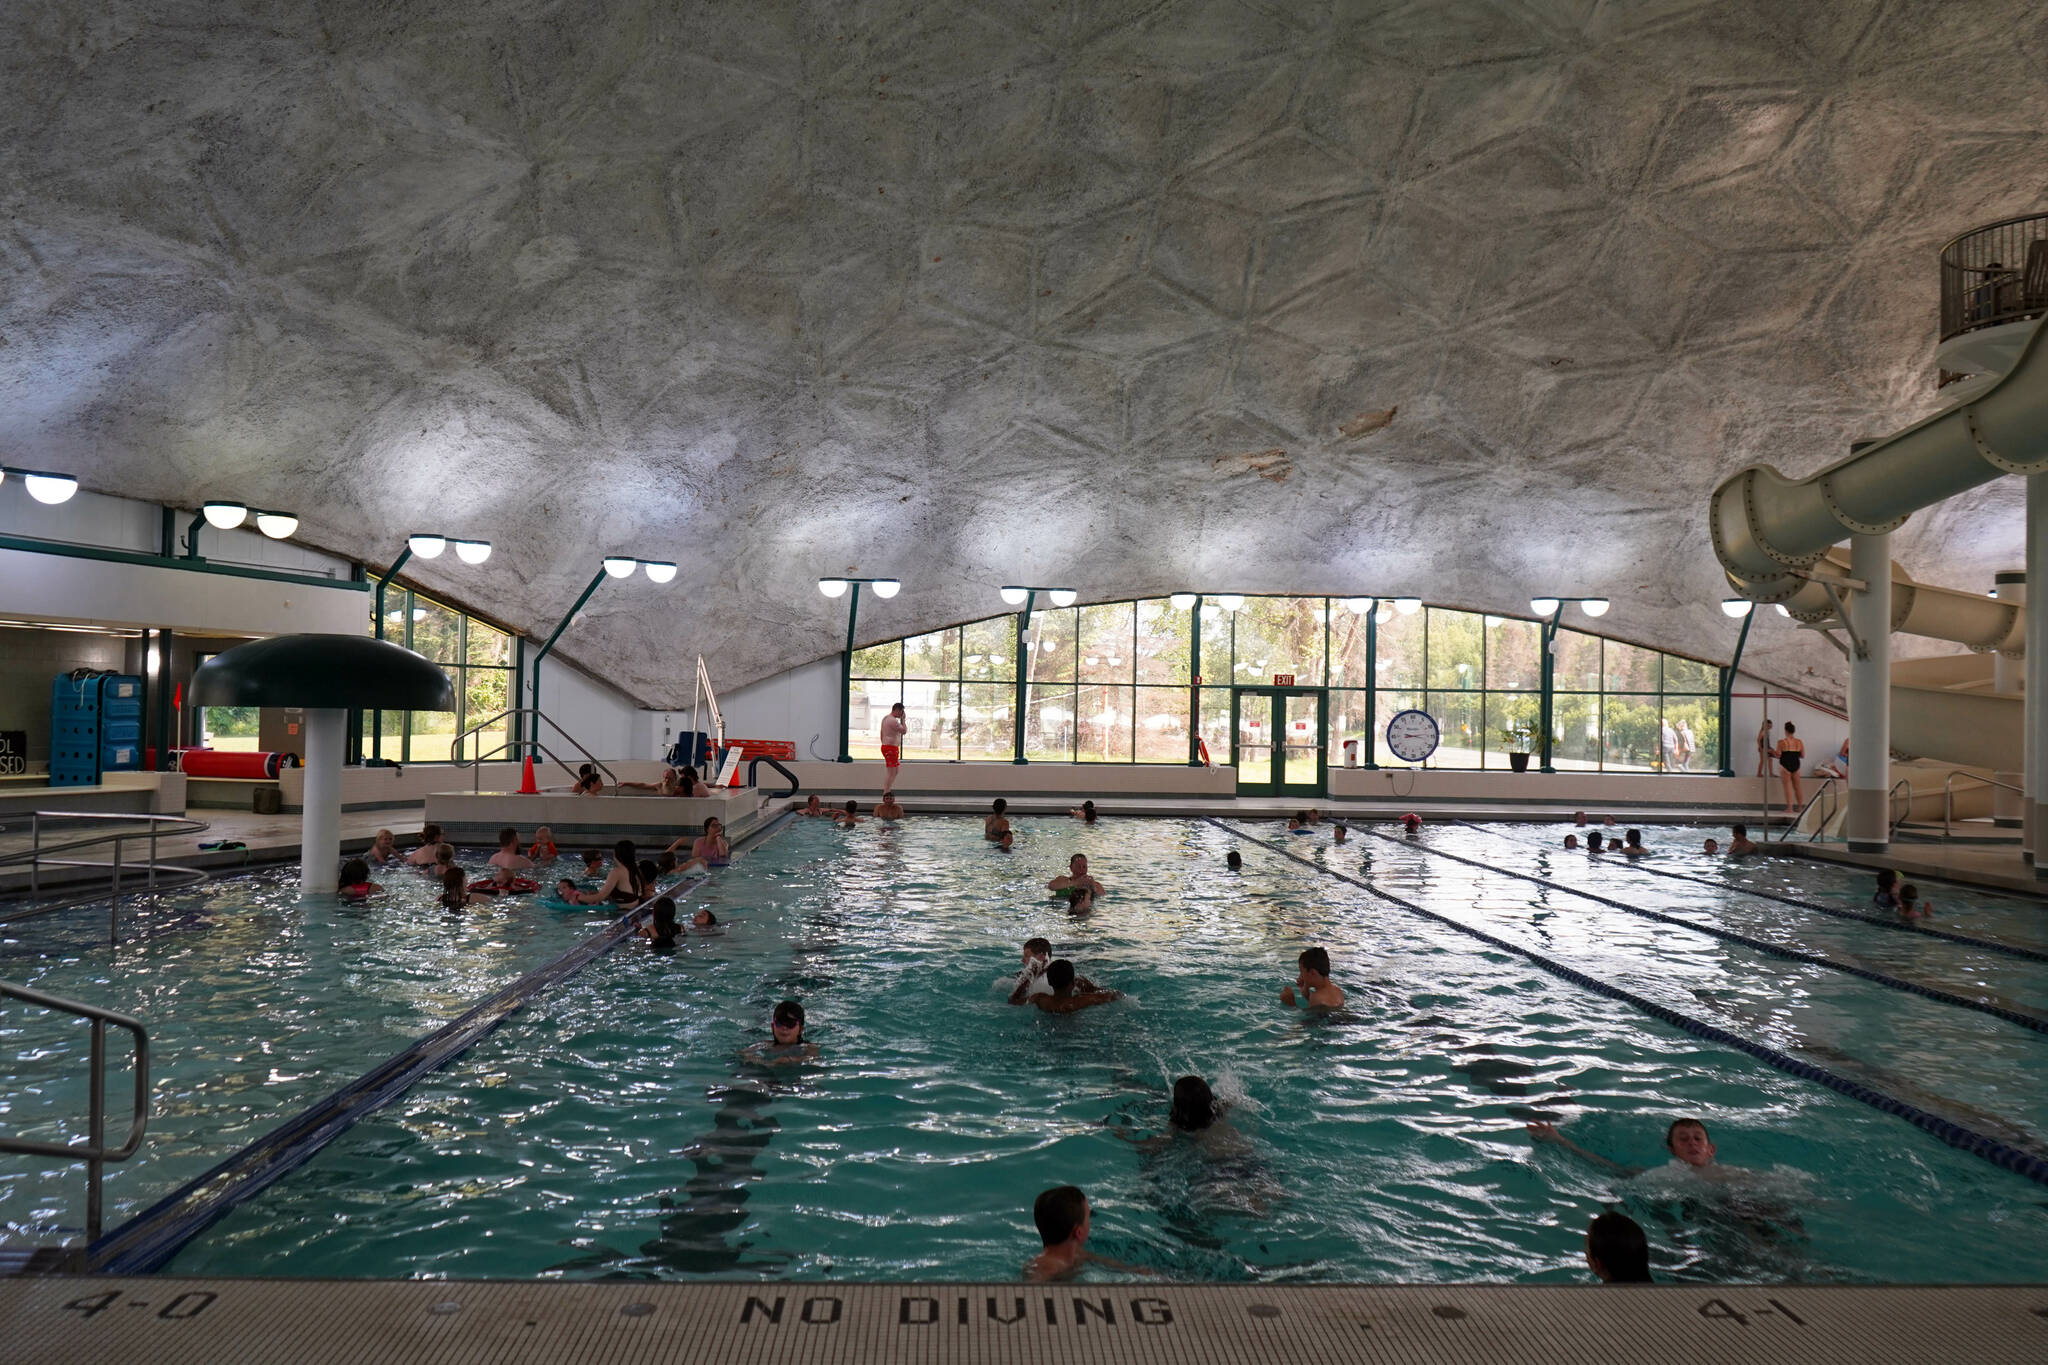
2011,1016
146,1242
1988,944
1954,1134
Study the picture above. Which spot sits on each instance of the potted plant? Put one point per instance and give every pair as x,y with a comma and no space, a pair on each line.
1516,737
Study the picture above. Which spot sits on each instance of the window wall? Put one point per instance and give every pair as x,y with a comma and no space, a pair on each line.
1110,683
478,659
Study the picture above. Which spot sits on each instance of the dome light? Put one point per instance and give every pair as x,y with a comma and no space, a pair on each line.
1407,606
1544,606
832,587
1015,596
1593,606
419,613
1358,606
1062,597
1783,610
1230,601
472,551
1493,622
660,570
1181,601
886,588
276,525
427,547
1734,608
49,489
224,516
620,566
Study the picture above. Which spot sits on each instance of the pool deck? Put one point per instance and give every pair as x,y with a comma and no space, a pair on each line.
227,1322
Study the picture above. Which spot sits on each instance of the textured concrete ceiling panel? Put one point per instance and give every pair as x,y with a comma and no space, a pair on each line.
1472,299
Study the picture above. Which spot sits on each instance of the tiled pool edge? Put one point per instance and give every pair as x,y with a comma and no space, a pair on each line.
170,1320
152,1237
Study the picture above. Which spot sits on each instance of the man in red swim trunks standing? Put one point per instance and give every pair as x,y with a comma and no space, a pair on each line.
893,728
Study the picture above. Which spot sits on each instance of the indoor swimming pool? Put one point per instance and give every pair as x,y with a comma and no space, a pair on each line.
615,1128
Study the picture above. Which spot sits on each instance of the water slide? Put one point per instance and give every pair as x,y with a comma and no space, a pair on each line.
1767,529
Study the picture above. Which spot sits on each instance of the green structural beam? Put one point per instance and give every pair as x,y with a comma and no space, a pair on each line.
846,673
1023,674
1549,683
1728,697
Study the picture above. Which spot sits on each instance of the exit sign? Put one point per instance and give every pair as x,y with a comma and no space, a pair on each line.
1283,680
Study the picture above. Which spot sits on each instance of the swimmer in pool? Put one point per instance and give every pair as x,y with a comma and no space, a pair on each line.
704,922
1339,833
1411,825
1233,1177
666,786
1071,994
888,808
1617,1251
1634,847
355,881
848,815
1910,904
588,783
787,1045
1738,843
995,824
1077,875
1887,897
1710,847
444,858
1063,1220
1006,841
1593,844
1297,822
814,808
1317,990
427,854
1080,900
709,849
1085,812
664,864
659,928
1579,818
1571,841
593,863
1685,1139
383,849
1234,861
1031,980
455,892
543,850
508,854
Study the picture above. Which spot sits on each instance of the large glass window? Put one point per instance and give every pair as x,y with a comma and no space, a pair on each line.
1110,682
478,659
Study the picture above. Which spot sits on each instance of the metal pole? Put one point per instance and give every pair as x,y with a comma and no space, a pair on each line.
166,715
2008,675
846,673
1195,684
1869,610
192,535
1023,673
1728,697
35,848
542,653
114,897
1549,682
96,1130
1372,684
383,582
2036,766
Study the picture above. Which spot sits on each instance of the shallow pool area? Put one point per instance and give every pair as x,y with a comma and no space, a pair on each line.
617,1128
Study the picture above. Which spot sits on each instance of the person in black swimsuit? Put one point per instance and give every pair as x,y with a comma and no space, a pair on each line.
1791,750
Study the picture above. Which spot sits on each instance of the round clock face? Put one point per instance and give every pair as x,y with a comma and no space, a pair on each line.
1412,735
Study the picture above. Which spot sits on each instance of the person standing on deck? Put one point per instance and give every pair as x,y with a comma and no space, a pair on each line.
893,729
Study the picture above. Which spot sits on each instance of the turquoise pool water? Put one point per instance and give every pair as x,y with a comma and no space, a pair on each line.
614,1128
256,1006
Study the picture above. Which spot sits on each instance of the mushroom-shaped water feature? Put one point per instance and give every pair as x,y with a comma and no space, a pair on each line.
323,675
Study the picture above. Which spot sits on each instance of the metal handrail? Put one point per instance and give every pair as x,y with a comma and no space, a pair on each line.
1892,803
456,759
1827,787
94,1152
36,855
1948,796
753,772
1995,274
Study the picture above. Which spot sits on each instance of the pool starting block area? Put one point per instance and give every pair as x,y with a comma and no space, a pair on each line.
171,1321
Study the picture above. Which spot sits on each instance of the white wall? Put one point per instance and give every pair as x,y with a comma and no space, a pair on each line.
61,588
602,719
126,524
1822,730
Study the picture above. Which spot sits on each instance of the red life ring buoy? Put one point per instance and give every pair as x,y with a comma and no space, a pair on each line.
491,885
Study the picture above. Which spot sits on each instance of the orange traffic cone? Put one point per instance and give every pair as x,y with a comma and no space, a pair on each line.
526,783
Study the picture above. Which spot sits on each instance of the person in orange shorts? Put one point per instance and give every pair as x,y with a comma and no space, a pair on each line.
894,726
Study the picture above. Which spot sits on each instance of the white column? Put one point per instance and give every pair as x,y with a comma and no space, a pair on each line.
2008,675
320,826
1870,694
2037,697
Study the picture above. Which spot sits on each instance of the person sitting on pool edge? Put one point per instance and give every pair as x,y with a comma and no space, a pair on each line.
1617,1251
1739,843
508,854
1685,1139
1031,979
1076,875
426,855
1634,847
787,1045
1070,993
1317,991
1062,1217
1085,812
995,824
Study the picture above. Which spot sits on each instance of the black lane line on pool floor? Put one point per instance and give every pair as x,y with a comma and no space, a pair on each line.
1954,1134
152,1237
1935,993
1988,944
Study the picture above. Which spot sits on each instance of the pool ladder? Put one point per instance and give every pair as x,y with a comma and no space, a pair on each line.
94,1151
153,875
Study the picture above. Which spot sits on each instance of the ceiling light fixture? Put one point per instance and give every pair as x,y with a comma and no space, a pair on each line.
1230,601
472,551
1062,597
1358,606
426,547
886,588
620,566
1181,601
660,570
1594,606
1736,607
1014,596
1544,606
224,516
276,525
1407,606
48,489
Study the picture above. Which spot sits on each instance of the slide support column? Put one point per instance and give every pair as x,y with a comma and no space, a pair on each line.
2008,675
2037,697
1870,695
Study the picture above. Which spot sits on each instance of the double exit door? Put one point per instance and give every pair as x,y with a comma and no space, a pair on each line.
1279,748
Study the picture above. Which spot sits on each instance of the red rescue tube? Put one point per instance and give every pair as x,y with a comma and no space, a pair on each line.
220,763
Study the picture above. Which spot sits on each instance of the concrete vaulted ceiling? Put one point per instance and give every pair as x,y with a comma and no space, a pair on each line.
1469,299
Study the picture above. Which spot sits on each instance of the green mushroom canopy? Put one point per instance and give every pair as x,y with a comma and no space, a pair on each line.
315,671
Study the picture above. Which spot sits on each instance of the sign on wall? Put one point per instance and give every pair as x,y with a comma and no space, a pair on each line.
13,753
1283,680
